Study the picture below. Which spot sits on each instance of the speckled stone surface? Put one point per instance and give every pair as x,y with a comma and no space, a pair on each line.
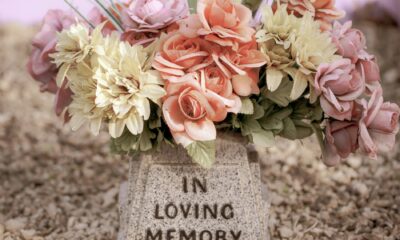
159,206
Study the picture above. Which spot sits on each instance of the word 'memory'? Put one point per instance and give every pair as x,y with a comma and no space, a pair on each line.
173,234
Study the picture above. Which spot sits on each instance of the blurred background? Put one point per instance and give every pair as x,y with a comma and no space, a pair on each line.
56,184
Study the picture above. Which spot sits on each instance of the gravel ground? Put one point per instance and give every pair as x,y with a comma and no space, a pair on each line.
56,184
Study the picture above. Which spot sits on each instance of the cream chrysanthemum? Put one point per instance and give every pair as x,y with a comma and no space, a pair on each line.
112,83
293,47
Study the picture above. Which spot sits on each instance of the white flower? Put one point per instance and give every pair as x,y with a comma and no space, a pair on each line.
293,47
115,86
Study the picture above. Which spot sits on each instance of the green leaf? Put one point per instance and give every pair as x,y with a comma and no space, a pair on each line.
250,125
289,129
145,143
202,153
192,6
247,106
263,138
271,123
282,114
258,111
303,129
282,95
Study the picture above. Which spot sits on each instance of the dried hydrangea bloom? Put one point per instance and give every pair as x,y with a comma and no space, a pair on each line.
293,47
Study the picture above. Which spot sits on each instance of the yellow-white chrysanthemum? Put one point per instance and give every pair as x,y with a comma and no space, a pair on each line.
75,45
113,84
293,47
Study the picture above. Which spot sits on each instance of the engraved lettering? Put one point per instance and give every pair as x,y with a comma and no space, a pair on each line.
157,212
185,185
220,235
212,211
185,211
184,236
171,211
205,233
169,234
198,184
236,236
196,211
150,236
227,211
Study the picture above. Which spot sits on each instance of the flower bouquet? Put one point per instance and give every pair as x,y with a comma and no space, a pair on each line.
179,72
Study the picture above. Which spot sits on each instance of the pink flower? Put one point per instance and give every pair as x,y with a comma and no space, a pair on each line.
339,84
153,15
180,55
323,11
378,124
190,112
223,22
341,139
40,66
371,71
243,66
349,41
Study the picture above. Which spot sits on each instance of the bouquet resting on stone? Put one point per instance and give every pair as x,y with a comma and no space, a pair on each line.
179,72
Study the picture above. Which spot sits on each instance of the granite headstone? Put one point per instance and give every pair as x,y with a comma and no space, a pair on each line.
168,197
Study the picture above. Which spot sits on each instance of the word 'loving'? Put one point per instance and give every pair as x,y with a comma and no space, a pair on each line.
196,211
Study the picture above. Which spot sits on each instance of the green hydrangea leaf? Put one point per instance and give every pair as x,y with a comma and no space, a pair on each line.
203,153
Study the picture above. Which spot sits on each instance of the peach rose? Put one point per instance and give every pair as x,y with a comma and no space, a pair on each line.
190,112
378,124
217,84
224,22
341,139
323,11
339,84
243,65
179,55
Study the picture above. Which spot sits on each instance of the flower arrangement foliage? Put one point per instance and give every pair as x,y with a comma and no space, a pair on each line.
179,72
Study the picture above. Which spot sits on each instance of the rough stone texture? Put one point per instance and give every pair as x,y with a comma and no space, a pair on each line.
233,179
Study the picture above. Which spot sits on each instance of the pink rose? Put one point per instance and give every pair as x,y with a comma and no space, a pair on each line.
224,22
341,139
218,85
378,124
371,71
180,55
40,64
190,112
339,84
153,15
349,41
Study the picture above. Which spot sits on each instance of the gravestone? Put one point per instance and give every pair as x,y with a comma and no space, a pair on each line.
168,197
